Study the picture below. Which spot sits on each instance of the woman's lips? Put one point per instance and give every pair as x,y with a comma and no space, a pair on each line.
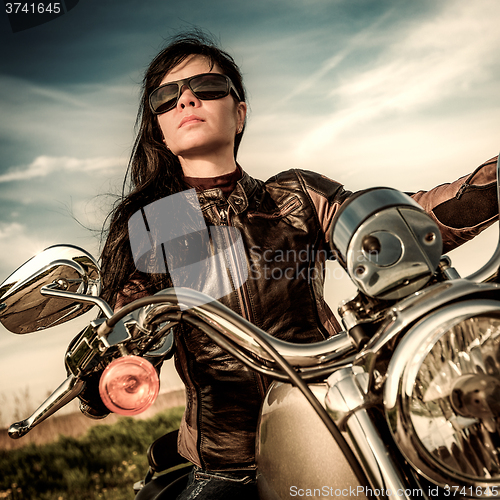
190,119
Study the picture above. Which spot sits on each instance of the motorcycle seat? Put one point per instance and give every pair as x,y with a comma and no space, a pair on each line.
162,455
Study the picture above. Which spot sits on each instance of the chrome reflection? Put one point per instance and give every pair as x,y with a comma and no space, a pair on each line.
24,309
386,242
442,394
464,442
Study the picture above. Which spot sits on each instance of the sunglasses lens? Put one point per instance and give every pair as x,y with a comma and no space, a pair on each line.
207,87
164,98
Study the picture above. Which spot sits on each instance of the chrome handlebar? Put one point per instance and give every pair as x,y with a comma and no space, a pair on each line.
223,325
240,331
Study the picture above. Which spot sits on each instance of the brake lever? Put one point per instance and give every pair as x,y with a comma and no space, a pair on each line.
65,393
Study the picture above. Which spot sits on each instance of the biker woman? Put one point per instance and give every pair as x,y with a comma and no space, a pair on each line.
191,122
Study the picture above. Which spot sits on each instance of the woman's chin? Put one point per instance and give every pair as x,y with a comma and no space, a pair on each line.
200,150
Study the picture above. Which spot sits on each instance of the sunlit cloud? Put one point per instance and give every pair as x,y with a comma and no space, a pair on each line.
77,120
357,41
26,244
17,92
45,165
433,62
11,229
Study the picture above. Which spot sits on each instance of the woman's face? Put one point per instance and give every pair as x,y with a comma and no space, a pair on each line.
197,129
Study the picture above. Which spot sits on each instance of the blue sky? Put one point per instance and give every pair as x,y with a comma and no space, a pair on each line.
397,93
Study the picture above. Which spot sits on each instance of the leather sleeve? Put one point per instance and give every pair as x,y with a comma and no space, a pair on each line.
464,208
326,195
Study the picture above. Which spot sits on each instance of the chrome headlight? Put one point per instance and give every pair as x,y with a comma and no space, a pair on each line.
442,396
388,244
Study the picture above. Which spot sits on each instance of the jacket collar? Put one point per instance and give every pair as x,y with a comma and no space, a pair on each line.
238,199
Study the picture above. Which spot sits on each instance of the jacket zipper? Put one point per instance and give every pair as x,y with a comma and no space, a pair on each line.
242,291
243,295
222,213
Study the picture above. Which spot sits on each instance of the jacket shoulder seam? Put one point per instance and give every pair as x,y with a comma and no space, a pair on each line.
304,187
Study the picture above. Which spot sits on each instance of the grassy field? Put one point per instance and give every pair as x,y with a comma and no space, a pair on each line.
75,424
103,463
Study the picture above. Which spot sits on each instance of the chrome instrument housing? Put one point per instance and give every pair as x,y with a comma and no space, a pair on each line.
388,244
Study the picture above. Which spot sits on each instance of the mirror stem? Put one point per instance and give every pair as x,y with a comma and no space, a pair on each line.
53,291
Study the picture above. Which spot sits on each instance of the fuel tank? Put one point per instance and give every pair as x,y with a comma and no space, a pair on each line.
296,454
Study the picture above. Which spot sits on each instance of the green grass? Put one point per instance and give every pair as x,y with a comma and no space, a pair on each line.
104,463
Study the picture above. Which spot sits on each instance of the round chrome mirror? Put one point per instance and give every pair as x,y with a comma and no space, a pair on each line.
23,308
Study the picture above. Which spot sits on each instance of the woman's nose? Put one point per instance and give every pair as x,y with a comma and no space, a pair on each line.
187,98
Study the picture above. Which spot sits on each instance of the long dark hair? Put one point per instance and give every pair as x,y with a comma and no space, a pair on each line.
153,171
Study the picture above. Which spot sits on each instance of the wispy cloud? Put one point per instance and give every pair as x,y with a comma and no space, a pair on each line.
16,92
45,165
8,230
72,120
26,244
432,62
357,41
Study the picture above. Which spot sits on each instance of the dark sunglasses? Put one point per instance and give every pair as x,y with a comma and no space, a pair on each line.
207,87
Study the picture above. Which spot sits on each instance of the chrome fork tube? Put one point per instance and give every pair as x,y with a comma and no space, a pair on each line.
347,401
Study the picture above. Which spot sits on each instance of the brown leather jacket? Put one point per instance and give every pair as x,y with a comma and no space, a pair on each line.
285,223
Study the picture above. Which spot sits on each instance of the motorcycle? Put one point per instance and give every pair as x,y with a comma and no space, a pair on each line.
405,402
